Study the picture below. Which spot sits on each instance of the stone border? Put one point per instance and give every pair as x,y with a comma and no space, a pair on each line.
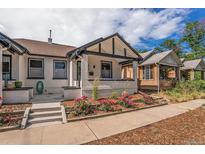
3,129
113,113
25,118
63,114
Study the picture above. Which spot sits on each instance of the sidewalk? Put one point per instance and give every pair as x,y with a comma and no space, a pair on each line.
88,130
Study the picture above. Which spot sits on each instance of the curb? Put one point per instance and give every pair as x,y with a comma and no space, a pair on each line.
3,129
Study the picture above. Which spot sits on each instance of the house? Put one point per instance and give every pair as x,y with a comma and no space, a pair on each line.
191,67
34,61
158,70
104,59
65,69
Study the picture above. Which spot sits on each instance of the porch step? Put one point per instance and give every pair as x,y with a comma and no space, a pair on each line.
44,119
45,114
41,107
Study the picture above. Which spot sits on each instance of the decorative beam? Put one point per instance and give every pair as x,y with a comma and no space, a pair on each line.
99,48
113,46
125,52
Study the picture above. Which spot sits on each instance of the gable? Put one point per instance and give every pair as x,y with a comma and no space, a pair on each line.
201,66
119,46
170,60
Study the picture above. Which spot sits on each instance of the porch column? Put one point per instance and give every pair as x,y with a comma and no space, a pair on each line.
21,69
192,72
1,86
178,73
71,73
84,71
134,66
158,78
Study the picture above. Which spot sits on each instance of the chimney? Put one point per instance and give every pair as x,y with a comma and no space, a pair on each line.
50,38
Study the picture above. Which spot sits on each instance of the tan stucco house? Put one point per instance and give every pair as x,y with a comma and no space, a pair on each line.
65,69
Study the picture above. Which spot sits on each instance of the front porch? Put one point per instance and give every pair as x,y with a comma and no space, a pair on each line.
108,71
158,77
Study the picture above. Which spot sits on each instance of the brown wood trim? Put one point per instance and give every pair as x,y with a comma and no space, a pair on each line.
46,55
99,47
125,52
113,46
108,55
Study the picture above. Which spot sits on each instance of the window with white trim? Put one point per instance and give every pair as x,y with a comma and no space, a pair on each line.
147,72
36,68
60,69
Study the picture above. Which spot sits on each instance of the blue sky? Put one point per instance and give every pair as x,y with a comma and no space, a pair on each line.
192,15
142,28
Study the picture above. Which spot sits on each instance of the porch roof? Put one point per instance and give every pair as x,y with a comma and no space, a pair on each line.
159,57
194,64
11,45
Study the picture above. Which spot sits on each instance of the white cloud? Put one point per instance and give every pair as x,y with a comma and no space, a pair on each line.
78,26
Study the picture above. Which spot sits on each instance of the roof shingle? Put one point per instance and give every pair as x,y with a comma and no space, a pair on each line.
44,48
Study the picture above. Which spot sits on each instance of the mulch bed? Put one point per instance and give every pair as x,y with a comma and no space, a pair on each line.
187,128
13,107
12,114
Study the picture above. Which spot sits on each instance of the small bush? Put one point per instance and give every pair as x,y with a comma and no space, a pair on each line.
95,89
114,95
83,107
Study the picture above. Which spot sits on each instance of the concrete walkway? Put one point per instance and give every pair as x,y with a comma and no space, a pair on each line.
88,130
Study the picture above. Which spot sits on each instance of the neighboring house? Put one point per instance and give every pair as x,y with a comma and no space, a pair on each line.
191,67
159,70
65,69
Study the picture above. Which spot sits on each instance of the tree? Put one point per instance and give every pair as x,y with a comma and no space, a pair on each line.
170,44
194,36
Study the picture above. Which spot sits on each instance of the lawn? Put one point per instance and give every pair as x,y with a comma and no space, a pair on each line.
187,128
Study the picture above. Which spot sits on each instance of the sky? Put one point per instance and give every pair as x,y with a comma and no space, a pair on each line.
142,28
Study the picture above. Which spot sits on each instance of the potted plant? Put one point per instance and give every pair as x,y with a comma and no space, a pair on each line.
18,84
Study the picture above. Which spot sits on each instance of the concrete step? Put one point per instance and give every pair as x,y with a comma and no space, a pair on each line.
45,114
44,119
41,107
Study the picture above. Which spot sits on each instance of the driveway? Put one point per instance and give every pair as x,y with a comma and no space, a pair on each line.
80,132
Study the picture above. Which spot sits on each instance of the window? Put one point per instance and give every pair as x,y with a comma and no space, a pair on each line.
6,67
60,69
147,72
106,69
36,68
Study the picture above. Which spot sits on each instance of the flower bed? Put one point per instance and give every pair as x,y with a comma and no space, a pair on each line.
83,107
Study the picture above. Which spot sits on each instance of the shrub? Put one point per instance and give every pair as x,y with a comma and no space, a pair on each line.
106,105
114,95
125,101
83,106
95,89
187,90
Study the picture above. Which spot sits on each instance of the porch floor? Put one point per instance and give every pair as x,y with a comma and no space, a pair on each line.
47,98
